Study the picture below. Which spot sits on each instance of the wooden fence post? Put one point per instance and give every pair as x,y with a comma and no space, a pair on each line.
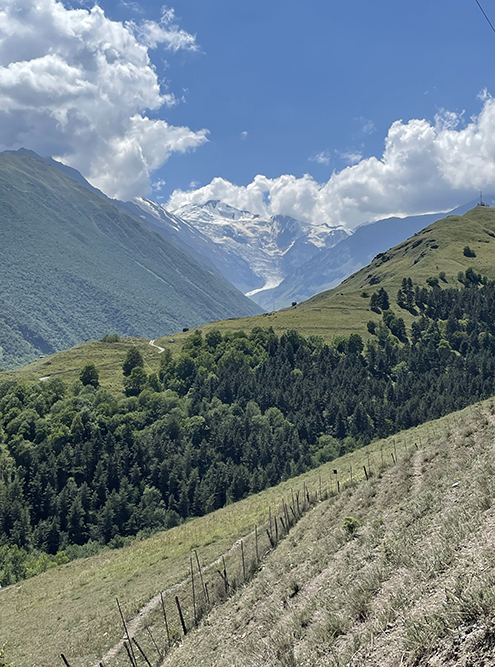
154,643
193,592
184,629
129,655
256,541
243,563
126,632
207,599
142,652
165,619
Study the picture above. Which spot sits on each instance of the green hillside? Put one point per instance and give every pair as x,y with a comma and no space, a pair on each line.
345,309
75,268
337,312
414,581
224,414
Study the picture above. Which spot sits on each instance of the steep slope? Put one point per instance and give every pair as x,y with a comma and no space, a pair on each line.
243,257
271,247
157,219
329,268
399,570
346,308
74,267
185,235
411,582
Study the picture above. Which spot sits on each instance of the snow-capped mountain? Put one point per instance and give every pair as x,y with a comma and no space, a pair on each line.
272,247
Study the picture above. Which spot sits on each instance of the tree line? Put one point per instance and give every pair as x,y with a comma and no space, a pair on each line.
233,414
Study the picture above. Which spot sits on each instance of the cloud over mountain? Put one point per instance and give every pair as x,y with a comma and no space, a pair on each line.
424,167
78,86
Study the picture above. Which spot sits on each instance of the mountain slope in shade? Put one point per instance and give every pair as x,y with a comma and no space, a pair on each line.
217,256
329,268
271,248
74,267
185,235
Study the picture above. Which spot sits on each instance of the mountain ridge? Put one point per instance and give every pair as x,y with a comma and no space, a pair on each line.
272,246
331,267
84,269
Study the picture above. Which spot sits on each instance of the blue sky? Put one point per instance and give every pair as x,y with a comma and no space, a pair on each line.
315,78
225,98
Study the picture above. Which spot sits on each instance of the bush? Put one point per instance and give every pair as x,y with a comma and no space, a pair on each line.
135,382
134,359
110,338
89,376
350,526
468,252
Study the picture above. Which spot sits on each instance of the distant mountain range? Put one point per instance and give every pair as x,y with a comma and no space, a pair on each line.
275,261
75,267
271,247
279,260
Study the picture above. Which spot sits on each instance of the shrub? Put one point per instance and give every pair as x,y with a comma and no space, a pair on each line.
111,338
350,526
133,359
468,252
89,376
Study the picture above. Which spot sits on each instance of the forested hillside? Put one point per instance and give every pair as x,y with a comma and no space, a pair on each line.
232,415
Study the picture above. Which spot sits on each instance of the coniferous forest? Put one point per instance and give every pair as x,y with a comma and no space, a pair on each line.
232,415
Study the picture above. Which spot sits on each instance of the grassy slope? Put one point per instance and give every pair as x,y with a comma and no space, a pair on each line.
108,358
419,537
74,267
415,586
71,609
343,310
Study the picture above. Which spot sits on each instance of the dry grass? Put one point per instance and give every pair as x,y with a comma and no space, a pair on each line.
72,609
413,586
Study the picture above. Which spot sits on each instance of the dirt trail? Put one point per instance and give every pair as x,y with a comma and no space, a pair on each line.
417,462
135,623
160,349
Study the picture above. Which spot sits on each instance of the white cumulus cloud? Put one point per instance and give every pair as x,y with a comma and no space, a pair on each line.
78,86
424,167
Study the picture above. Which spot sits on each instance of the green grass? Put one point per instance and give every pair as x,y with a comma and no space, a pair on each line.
107,357
342,310
338,312
72,609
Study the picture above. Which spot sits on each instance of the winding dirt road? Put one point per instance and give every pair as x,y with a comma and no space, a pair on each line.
160,349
